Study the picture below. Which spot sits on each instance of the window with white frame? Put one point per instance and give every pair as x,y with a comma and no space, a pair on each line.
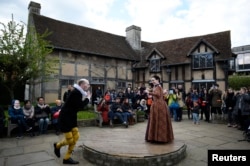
202,61
243,61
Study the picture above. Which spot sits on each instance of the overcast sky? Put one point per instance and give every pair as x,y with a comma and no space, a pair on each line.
160,20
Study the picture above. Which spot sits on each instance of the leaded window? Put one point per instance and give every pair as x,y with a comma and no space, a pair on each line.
121,84
66,82
201,61
155,65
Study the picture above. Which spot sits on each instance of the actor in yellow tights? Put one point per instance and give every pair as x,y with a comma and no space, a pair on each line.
79,97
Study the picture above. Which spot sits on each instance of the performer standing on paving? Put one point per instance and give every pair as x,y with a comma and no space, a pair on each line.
77,100
159,129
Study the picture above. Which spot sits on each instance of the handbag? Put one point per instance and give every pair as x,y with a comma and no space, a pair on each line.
56,115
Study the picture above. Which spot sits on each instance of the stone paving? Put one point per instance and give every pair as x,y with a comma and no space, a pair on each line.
38,150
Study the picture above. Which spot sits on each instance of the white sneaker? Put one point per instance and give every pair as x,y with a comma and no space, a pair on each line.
126,124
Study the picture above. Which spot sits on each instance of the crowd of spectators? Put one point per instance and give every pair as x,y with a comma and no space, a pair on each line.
27,115
209,105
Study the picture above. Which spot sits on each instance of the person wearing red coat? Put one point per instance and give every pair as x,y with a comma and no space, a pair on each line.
103,107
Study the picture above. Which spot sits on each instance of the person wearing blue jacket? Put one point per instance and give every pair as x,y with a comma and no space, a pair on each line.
16,116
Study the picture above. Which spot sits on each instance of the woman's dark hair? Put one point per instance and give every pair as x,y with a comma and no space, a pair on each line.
157,78
26,101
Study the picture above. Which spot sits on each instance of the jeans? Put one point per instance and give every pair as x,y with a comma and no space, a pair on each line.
196,118
43,124
21,123
127,115
175,111
121,116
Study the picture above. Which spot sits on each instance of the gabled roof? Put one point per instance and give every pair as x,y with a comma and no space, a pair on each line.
158,53
176,50
204,42
77,38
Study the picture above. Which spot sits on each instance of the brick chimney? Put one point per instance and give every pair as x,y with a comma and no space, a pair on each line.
133,37
34,7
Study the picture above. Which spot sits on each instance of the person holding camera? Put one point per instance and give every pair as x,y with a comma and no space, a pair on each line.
172,104
216,101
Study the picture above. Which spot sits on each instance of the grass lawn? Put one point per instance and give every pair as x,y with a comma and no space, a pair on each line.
86,115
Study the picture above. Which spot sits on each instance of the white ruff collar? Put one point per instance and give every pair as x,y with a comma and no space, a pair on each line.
84,94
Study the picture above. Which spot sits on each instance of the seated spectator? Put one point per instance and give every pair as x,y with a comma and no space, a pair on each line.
54,116
136,105
144,107
103,107
107,97
42,112
127,109
17,117
2,121
116,110
28,111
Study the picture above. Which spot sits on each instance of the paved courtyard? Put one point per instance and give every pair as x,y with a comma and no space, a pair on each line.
38,150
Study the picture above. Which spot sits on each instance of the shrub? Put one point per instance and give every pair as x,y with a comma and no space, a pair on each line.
237,81
139,112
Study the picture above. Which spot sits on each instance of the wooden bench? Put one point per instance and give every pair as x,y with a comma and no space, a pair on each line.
12,126
100,120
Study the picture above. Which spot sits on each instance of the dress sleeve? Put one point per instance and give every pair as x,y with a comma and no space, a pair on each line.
156,92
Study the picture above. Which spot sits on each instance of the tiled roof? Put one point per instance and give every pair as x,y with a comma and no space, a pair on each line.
175,51
82,39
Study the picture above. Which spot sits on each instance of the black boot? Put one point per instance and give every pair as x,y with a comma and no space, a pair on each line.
70,161
57,151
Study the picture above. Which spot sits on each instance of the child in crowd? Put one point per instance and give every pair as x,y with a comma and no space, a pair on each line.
195,112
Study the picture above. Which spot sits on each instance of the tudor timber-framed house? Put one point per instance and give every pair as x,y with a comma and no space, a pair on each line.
112,61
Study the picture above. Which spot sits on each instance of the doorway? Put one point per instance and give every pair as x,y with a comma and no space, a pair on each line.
94,87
